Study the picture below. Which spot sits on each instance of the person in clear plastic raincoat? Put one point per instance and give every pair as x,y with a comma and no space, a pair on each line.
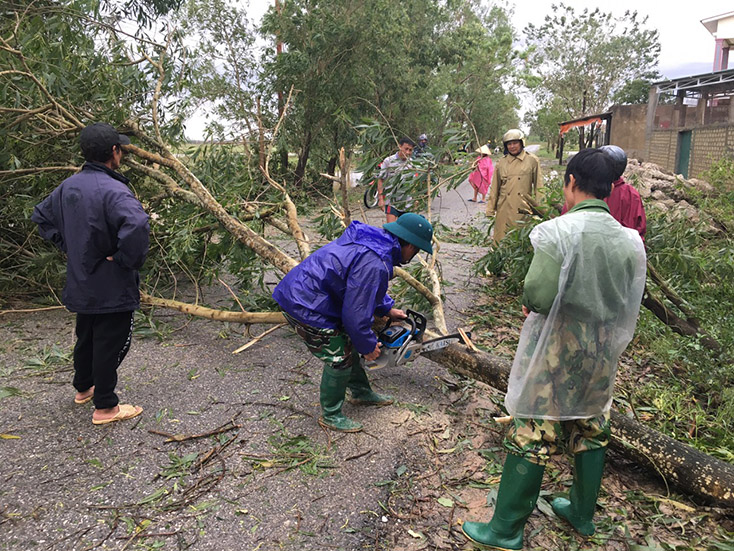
581,297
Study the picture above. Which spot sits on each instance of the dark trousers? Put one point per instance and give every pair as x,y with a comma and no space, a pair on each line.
103,340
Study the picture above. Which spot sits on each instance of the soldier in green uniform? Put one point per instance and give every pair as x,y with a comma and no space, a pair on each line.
581,299
515,174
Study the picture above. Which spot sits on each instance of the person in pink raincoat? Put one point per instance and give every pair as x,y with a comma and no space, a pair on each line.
482,176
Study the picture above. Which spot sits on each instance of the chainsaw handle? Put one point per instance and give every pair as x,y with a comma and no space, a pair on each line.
410,337
419,323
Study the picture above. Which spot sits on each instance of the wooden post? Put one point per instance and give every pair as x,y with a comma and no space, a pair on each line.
679,111
562,140
701,108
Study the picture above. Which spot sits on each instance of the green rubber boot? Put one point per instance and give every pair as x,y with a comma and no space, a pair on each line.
362,393
516,499
332,392
579,508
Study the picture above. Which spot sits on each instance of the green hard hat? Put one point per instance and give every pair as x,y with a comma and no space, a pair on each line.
414,229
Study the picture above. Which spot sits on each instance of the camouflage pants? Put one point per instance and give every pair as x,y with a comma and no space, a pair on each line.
331,346
537,439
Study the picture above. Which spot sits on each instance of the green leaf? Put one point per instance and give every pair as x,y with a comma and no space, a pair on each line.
155,496
7,391
446,502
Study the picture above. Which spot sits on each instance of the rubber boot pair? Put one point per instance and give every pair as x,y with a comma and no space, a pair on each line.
516,499
579,509
334,383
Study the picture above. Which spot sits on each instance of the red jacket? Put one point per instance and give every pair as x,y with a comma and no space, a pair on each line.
625,205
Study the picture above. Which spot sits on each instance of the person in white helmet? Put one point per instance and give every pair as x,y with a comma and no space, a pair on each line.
517,173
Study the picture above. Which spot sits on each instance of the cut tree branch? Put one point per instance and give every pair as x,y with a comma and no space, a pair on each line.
211,313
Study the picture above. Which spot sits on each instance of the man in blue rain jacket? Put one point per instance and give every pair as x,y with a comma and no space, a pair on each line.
331,298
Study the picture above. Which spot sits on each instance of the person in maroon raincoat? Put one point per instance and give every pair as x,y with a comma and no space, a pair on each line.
624,202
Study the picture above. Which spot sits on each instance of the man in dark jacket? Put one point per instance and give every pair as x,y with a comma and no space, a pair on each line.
96,220
331,297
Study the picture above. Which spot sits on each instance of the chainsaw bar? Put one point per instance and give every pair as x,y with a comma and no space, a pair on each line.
394,357
441,342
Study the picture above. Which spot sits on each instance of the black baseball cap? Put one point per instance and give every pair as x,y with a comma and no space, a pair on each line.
98,139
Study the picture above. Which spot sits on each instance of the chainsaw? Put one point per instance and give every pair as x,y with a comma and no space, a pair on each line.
401,344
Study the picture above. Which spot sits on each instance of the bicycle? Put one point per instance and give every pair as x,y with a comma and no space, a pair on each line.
371,195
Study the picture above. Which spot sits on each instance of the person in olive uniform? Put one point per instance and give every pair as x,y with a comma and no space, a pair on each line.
581,299
517,173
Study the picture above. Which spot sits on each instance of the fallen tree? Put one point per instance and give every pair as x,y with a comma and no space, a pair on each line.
683,467
171,175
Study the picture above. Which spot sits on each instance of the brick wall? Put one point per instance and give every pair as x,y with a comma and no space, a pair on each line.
628,129
709,144
663,144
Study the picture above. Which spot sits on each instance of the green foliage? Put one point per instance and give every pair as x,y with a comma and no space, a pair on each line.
511,258
420,66
406,296
80,62
179,465
227,72
721,175
444,164
294,452
48,358
474,40
328,224
146,326
545,120
634,92
691,392
145,12
579,61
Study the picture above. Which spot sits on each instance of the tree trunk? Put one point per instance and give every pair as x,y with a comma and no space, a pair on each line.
689,470
283,168
302,161
263,248
212,314
331,167
678,325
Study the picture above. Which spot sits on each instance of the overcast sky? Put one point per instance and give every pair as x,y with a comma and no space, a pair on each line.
686,47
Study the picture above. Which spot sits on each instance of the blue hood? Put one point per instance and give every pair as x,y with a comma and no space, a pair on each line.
379,241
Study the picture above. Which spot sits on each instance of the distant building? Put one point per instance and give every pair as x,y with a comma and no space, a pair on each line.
688,123
721,28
